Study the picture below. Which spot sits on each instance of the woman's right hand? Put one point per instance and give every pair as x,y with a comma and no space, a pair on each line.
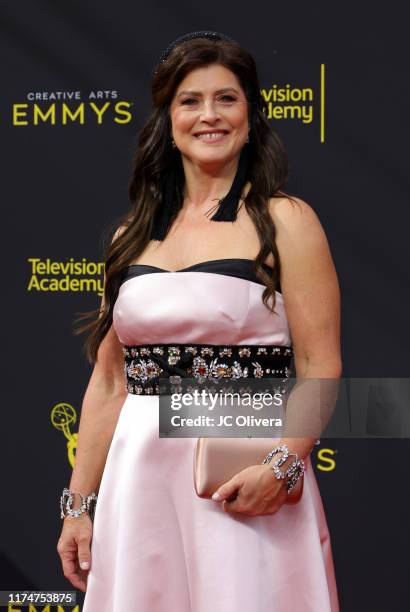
74,548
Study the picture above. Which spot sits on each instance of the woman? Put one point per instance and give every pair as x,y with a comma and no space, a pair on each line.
261,275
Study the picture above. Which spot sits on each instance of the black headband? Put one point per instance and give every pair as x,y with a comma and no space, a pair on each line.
190,36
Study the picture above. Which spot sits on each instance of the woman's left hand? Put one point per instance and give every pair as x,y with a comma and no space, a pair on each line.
253,491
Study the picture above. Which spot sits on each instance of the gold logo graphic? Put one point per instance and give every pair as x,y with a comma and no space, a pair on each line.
289,102
63,416
326,463
52,108
77,276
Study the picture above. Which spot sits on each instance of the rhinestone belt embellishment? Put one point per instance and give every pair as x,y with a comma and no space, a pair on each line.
144,365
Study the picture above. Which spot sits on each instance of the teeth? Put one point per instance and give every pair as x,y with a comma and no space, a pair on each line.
211,136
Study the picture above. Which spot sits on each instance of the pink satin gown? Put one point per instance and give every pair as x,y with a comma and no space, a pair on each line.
156,546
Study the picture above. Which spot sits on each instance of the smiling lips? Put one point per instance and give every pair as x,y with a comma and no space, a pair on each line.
211,136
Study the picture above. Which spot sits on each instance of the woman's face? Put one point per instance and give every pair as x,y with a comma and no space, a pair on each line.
209,100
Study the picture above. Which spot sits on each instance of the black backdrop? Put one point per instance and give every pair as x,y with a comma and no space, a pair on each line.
64,184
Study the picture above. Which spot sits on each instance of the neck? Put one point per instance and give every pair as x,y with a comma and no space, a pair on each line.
203,184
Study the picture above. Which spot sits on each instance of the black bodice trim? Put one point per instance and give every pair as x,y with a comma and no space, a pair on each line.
237,267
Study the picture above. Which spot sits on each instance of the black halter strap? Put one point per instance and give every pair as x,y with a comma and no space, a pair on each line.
172,201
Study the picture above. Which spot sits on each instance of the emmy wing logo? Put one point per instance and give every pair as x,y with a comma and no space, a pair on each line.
63,416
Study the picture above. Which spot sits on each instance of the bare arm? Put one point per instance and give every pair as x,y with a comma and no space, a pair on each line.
310,289
312,301
103,399
101,407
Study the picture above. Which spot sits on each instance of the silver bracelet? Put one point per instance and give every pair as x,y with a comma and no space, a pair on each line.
293,472
88,503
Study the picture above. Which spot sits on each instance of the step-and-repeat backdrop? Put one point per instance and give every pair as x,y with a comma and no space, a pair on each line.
75,93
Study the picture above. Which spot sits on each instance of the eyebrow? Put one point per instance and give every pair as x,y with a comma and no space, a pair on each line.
198,93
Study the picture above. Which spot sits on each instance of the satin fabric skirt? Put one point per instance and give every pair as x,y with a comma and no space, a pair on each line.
158,547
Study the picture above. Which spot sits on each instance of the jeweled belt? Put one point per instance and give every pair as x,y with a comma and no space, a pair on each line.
146,364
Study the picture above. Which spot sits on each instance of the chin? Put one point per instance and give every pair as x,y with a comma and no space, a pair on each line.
221,159
219,155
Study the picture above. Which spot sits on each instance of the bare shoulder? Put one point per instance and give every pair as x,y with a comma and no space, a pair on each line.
293,214
302,243
297,224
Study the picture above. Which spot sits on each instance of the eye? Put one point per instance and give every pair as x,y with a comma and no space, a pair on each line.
188,101
228,98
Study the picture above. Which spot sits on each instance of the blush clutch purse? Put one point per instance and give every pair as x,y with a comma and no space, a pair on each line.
216,460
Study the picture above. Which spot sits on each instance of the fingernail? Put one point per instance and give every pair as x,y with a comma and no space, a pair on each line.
84,564
216,496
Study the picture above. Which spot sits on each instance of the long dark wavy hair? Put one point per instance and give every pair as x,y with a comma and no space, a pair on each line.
267,173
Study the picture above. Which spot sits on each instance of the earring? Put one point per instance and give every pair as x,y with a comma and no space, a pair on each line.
173,143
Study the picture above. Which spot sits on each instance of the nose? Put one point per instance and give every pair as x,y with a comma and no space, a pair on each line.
209,111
